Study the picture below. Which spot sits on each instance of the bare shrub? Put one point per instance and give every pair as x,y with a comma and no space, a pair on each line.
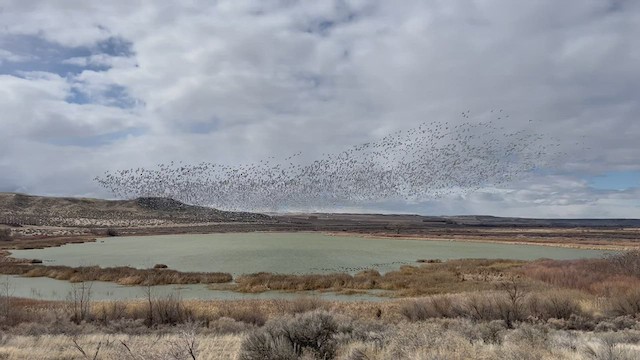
416,310
126,326
311,333
428,340
625,304
491,332
80,301
111,311
617,323
261,345
428,308
225,325
479,307
5,234
535,336
299,305
511,306
169,310
245,314
6,292
556,305
627,262
607,349
112,232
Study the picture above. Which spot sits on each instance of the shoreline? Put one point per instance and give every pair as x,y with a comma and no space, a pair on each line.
573,245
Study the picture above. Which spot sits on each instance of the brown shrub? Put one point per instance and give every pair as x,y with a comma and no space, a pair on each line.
248,315
606,276
299,305
554,305
627,303
626,263
479,307
439,306
5,234
169,310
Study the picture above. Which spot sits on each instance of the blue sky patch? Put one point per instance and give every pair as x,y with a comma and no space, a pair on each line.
114,96
46,56
616,180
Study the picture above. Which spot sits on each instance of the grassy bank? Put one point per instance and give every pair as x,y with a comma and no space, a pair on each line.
122,275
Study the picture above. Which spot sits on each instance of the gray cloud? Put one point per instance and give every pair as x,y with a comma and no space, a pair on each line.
94,86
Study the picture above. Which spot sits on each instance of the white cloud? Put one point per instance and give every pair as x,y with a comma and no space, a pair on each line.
261,78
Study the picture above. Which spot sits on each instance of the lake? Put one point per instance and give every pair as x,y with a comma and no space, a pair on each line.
289,253
243,253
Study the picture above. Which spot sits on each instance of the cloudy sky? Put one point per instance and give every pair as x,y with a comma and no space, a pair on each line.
91,86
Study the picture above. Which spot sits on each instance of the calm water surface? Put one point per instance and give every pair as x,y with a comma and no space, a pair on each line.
51,289
291,253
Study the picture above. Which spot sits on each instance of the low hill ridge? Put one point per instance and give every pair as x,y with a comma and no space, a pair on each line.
24,209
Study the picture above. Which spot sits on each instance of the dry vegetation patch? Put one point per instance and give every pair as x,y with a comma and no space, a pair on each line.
611,276
429,278
123,275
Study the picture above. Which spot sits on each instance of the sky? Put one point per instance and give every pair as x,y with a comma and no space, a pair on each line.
88,87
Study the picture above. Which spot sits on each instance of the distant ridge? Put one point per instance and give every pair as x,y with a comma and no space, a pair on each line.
16,208
494,221
479,220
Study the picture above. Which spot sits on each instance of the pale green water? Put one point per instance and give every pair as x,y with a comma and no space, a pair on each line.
291,253
51,289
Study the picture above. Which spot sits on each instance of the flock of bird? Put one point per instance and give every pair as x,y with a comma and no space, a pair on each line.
431,161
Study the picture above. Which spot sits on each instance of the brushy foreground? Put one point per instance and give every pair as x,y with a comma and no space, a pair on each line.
584,309
321,334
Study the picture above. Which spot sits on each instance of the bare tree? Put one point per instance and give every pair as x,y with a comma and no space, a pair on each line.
148,293
80,300
6,292
516,293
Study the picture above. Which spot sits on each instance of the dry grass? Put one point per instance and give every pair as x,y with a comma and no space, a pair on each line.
460,339
108,346
429,278
612,276
436,339
123,275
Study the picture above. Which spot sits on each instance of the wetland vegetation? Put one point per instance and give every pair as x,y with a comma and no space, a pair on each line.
559,309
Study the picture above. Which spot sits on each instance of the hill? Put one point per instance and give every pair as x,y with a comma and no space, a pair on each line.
21,209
